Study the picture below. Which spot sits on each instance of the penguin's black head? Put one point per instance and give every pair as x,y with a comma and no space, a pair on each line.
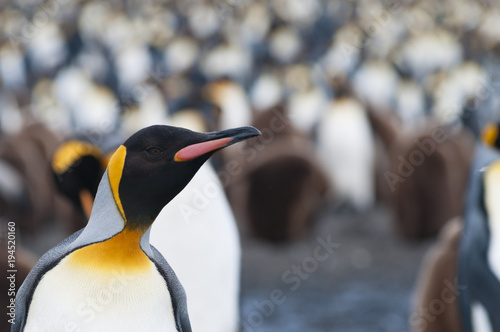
77,169
157,162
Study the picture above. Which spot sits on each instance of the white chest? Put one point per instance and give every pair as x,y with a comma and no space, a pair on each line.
72,299
494,248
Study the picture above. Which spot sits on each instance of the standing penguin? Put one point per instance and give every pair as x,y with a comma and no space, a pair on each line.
107,276
479,259
200,212
345,143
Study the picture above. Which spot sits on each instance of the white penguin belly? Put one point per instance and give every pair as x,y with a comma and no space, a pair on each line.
480,319
494,255
80,300
345,135
202,214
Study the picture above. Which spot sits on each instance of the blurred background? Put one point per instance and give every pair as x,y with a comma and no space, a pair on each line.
370,113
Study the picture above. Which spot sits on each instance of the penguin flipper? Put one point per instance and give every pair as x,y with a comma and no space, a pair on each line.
25,293
177,293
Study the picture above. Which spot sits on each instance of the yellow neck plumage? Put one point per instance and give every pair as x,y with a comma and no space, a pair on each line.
122,251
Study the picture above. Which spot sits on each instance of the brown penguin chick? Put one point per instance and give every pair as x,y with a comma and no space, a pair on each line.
426,179
281,185
435,192
29,153
437,282
439,272
27,157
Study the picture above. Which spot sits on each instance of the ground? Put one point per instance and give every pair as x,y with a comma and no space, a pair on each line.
365,284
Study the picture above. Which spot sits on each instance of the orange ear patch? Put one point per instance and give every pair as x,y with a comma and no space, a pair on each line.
68,153
115,170
490,134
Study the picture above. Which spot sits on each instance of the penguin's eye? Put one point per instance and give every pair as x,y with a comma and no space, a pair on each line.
154,151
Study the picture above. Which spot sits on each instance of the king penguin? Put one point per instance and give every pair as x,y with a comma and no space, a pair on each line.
479,259
107,277
200,212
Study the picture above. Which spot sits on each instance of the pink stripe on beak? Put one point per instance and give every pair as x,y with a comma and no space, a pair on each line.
199,149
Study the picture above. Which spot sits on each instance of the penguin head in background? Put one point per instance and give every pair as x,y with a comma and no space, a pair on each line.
491,135
156,163
78,167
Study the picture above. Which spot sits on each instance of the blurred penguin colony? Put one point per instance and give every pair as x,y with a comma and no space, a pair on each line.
359,103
